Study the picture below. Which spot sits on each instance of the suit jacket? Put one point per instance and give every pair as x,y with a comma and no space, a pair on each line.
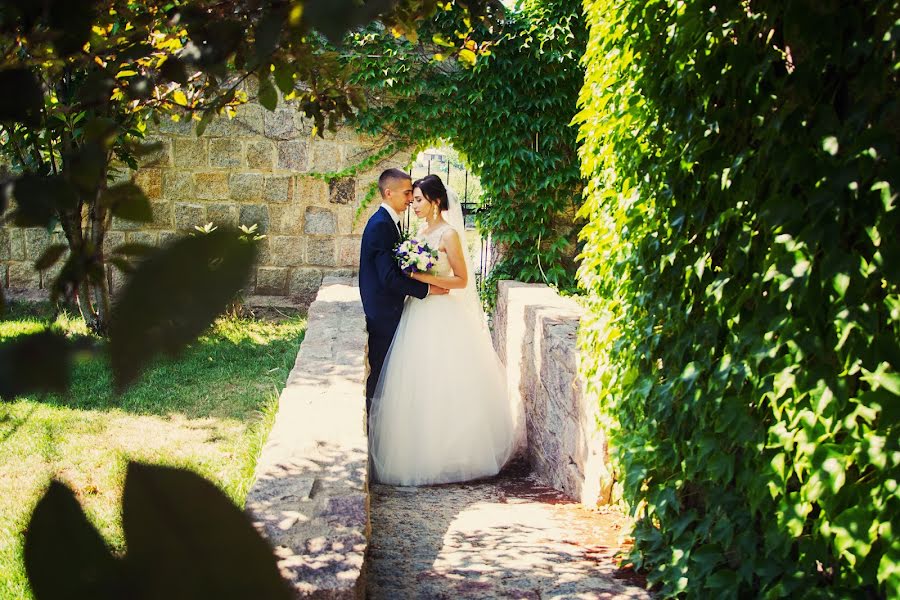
382,285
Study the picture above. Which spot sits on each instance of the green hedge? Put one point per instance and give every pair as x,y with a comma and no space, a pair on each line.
742,262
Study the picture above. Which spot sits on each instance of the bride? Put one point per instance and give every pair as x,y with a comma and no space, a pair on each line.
441,413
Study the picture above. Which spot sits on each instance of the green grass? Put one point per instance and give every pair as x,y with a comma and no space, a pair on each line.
208,411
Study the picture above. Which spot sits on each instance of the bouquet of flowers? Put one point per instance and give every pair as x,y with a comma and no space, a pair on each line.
414,256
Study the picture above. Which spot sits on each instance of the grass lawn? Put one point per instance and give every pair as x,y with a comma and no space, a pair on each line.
209,411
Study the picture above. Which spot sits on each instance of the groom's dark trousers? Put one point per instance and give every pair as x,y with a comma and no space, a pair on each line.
383,288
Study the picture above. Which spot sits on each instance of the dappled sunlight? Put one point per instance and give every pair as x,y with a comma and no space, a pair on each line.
208,411
503,537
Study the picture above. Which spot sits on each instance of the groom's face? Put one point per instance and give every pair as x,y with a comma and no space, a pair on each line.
399,194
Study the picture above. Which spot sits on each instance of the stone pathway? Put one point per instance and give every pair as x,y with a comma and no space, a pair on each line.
505,537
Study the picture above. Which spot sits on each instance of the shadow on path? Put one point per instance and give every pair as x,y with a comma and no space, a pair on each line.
505,537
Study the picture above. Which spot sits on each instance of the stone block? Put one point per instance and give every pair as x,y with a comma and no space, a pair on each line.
150,180
348,251
23,276
163,215
250,86
147,238
292,156
279,124
225,153
247,121
264,256
321,251
16,240
271,281
124,224
309,190
37,240
247,187
4,243
118,173
305,282
222,214
348,222
159,152
178,185
326,157
288,251
187,216
260,155
189,152
182,127
319,221
287,218
113,240
278,188
342,191
167,237
255,214
211,186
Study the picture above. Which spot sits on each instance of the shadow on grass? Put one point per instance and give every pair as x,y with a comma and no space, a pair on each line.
226,373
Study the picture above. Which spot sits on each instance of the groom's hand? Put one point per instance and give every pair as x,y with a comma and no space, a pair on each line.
434,290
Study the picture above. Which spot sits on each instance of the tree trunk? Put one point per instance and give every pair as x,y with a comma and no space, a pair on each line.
100,285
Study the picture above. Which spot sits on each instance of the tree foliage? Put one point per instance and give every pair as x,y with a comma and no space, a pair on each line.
742,261
503,93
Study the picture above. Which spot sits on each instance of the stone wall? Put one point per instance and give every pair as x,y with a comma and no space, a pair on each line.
535,335
254,168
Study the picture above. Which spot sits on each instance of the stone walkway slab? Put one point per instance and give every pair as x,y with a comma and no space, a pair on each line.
506,537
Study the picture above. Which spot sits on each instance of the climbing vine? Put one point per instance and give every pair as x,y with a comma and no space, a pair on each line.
505,100
743,269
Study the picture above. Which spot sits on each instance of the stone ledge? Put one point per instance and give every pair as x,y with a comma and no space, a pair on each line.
535,331
310,497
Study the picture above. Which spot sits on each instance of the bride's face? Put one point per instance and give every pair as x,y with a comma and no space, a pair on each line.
420,204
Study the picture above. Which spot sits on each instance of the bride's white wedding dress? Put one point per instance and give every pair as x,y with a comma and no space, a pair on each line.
441,413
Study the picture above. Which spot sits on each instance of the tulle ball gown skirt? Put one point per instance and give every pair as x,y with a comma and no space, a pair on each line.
441,413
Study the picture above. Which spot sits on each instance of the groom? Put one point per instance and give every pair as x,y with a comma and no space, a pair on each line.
382,286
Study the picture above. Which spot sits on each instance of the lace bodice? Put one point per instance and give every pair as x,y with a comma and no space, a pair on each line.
433,239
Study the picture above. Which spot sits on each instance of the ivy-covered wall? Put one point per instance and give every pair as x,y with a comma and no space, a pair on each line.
508,112
742,261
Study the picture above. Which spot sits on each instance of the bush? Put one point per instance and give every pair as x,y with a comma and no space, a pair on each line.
743,268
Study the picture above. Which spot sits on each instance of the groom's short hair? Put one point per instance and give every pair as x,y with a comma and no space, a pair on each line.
388,177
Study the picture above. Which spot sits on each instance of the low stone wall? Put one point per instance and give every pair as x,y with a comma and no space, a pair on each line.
310,497
535,335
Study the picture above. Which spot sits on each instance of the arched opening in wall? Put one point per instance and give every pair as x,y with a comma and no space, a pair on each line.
443,160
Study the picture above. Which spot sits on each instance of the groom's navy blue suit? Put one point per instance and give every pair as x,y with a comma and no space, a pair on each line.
383,288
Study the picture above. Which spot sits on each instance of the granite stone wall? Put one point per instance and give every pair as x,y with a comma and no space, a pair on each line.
535,335
254,168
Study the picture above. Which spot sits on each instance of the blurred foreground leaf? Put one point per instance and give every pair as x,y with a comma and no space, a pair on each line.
40,362
24,105
186,539
173,296
65,557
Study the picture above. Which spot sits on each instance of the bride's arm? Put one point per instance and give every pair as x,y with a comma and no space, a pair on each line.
454,250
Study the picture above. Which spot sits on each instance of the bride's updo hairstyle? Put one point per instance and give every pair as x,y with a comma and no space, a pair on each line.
434,191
